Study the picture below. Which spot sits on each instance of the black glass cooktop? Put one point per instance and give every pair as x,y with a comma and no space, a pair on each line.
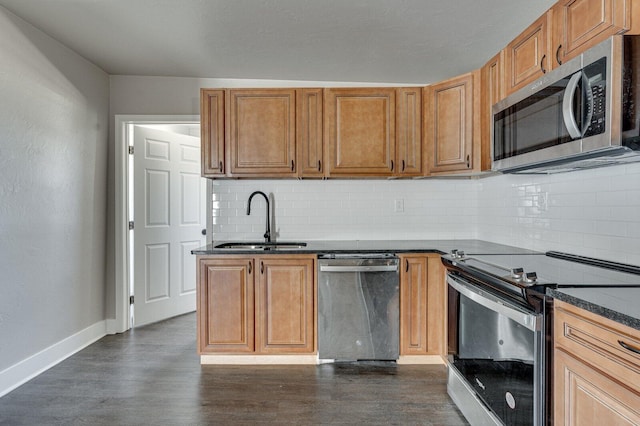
551,269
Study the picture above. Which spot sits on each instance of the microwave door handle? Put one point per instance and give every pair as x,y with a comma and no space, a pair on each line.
568,114
588,103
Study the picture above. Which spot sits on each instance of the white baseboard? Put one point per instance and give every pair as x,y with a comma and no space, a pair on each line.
259,359
32,366
301,359
113,327
420,359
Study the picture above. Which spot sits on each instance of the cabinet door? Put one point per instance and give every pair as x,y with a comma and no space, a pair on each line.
360,131
262,132
449,122
581,24
585,397
413,305
225,305
285,305
422,305
212,132
436,305
527,56
409,131
492,80
310,129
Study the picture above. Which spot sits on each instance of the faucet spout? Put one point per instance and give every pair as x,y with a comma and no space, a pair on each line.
267,234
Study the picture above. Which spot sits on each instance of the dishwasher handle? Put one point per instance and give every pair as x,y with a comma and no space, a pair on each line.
358,268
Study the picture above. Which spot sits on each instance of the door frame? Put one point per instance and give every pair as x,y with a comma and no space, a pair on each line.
123,138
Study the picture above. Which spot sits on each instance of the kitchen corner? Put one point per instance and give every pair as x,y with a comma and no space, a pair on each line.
410,212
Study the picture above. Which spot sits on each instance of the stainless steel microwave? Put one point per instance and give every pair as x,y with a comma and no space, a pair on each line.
583,114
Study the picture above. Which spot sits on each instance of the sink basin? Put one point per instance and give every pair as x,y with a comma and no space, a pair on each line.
240,245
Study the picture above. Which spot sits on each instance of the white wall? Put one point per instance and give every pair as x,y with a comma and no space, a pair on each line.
53,147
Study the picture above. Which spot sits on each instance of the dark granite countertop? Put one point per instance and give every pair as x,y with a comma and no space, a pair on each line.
619,304
616,303
376,246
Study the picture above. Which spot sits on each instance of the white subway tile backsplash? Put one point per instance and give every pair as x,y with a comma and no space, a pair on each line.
633,196
591,212
611,228
611,198
588,212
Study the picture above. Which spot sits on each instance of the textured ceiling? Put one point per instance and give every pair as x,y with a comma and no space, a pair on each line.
390,41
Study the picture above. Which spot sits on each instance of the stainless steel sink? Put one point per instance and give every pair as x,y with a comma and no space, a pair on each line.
241,245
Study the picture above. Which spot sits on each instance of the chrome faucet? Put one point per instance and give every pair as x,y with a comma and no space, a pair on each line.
267,234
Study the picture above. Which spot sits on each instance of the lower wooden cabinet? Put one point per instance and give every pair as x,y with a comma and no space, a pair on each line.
422,301
596,379
258,305
588,397
266,305
285,311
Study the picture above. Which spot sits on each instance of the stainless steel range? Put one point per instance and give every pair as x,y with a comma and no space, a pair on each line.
499,320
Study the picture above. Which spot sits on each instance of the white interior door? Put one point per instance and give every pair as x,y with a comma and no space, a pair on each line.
169,216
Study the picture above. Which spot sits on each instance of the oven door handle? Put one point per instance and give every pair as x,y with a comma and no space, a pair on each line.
526,319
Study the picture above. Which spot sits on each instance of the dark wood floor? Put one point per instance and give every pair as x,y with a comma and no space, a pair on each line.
152,376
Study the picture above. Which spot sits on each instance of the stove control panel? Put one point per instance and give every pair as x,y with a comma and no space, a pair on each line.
457,254
518,275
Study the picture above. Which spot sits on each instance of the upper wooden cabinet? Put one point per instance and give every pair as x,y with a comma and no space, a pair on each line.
261,132
492,91
528,56
565,31
310,141
284,133
373,132
452,125
581,24
360,133
212,132
409,131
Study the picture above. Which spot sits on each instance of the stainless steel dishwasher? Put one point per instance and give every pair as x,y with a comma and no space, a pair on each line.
358,307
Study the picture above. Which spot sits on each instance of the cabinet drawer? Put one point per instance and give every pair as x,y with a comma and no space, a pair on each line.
599,342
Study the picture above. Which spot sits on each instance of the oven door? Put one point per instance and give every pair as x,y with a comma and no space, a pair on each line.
495,356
